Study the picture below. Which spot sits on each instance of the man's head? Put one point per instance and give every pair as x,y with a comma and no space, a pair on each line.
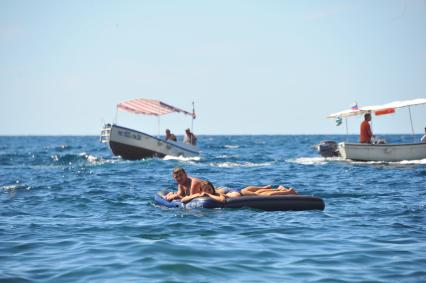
168,132
179,175
367,117
187,131
425,129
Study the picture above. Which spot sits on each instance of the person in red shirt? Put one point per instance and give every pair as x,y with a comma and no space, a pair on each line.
366,134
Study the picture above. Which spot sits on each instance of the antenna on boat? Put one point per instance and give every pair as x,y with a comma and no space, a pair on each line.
158,125
347,132
411,121
116,115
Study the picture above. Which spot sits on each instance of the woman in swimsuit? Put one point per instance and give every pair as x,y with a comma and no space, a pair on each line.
221,194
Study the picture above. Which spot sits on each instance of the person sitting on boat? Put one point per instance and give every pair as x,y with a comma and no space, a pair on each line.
222,194
424,137
365,133
187,186
170,136
190,138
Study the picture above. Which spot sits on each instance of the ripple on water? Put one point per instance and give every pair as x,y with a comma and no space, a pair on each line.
73,213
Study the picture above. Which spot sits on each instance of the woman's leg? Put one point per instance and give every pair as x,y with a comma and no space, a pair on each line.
252,190
290,191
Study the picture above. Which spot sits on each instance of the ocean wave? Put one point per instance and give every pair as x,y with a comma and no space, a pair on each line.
181,158
14,187
224,156
236,164
313,160
325,160
403,162
230,146
81,158
421,161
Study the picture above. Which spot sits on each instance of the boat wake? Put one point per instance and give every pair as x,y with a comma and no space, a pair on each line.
181,158
325,160
314,160
403,162
236,164
14,187
229,146
80,159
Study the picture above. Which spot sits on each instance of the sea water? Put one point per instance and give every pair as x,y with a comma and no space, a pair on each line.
72,212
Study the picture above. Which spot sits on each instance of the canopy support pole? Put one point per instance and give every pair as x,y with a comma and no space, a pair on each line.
158,126
116,115
411,121
192,120
347,132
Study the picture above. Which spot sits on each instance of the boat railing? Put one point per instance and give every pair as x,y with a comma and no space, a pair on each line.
105,133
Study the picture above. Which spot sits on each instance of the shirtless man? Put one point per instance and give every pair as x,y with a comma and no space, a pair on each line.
187,186
170,136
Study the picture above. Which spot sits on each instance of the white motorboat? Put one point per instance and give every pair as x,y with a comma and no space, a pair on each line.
132,144
378,150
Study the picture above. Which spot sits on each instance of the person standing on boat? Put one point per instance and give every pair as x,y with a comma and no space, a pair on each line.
170,136
190,138
187,186
424,137
365,133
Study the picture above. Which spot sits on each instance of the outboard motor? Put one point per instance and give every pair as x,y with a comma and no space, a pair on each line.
328,149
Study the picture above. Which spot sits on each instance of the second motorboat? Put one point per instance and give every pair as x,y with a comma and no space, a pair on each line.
131,144
379,150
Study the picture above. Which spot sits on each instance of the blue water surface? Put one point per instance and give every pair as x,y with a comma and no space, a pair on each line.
71,212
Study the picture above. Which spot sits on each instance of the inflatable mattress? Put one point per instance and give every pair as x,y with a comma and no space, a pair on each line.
270,203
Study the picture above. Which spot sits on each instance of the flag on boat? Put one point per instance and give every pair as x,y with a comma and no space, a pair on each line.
355,106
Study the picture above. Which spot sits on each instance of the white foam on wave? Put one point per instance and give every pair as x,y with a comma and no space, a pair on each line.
313,160
14,187
421,161
325,160
236,164
90,158
230,146
224,156
94,160
403,162
181,158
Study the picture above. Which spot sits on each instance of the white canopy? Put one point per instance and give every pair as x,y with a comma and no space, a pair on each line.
383,109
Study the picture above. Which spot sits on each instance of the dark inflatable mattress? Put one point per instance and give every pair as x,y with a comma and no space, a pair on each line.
270,203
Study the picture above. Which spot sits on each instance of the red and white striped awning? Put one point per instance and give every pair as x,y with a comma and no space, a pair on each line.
150,107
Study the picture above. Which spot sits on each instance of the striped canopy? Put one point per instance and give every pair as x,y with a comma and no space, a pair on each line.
150,107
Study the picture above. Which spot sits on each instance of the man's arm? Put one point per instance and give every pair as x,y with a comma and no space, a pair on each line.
178,195
189,198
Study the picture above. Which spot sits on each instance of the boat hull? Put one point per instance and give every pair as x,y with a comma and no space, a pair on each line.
382,152
133,145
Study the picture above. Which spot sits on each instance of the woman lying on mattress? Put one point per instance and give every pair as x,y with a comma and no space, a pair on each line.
220,194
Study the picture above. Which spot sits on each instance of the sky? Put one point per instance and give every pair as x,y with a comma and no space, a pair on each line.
251,67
